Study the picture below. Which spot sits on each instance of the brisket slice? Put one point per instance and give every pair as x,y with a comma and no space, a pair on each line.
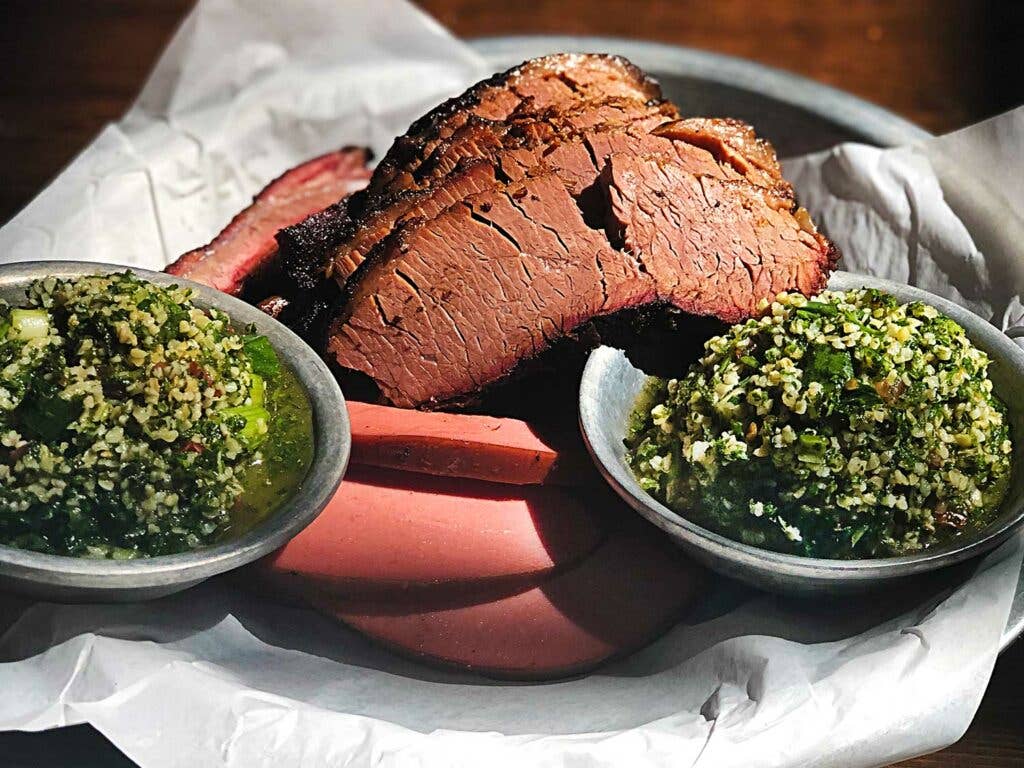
440,181
533,87
376,224
712,247
570,143
731,140
735,143
445,307
577,159
455,305
530,89
484,138
245,249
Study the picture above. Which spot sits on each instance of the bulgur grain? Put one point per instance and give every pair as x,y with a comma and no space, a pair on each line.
126,423
846,426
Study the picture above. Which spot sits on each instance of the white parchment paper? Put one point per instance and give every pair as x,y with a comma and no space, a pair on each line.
217,677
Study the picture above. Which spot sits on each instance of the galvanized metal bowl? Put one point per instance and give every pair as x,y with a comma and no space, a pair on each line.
609,389
71,579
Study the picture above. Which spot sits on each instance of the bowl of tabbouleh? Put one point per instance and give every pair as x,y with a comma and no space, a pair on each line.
832,443
153,432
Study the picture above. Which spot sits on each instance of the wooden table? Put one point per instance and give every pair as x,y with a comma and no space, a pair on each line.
70,67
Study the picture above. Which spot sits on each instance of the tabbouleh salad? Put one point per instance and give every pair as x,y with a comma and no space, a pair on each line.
849,426
133,423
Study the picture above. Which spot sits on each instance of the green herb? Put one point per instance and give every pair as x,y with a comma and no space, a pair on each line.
849,426
47,417
812,308
261,356
134,424
828,365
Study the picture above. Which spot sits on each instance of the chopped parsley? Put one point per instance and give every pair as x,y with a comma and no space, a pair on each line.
130,419
850,426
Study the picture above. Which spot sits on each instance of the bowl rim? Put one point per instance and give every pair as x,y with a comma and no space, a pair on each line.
331,449
622,480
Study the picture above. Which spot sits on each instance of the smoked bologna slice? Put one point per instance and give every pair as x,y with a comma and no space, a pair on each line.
386,530
500,450
630,589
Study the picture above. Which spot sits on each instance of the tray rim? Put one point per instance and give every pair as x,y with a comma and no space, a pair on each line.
875,124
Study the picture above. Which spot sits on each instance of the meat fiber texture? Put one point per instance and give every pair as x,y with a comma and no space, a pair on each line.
216,676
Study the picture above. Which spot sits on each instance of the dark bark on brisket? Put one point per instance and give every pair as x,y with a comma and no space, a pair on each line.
244,254
481,156
539,83
306,247
530,89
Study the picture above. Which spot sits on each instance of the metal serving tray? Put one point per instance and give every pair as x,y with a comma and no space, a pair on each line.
798,114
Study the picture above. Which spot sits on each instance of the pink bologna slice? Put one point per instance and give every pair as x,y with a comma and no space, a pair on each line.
386,530
632,588
499,450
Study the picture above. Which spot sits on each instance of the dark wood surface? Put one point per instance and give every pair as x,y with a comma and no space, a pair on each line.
70,67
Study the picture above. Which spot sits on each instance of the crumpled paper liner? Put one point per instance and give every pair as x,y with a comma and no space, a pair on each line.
217,677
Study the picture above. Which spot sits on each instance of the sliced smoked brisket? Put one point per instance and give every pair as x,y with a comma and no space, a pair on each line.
546,201
245,249
540,87
564,79
508,150
448,304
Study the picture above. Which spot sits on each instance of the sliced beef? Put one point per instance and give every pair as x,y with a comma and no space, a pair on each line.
574,143
469,276
712,246
534,88
477,155
545,204
376,223
447,306
699,158
245,250
485,138
732,141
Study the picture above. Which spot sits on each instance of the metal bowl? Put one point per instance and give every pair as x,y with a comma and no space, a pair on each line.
71,579
609,389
